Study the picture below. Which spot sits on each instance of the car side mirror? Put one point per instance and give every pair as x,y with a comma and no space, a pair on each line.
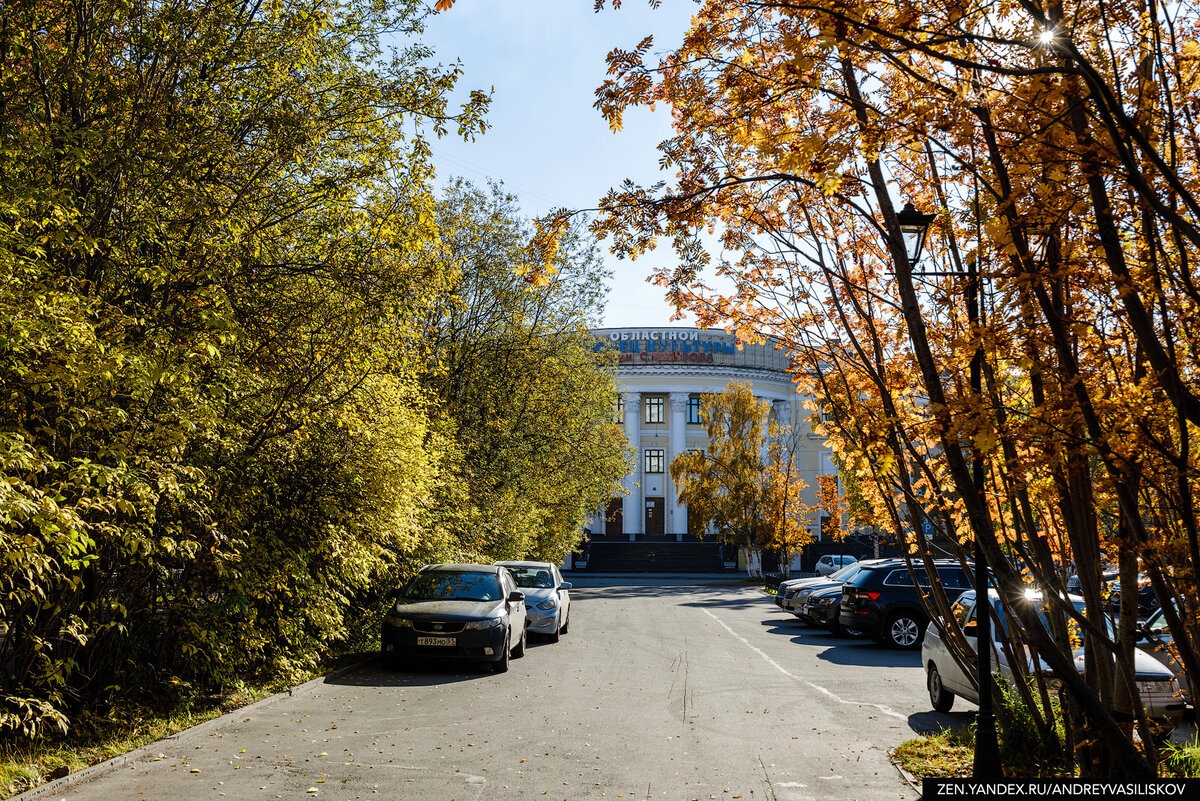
516,595
566,585
1140,634
971,630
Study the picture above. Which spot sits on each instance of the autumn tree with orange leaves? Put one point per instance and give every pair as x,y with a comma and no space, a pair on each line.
1057,145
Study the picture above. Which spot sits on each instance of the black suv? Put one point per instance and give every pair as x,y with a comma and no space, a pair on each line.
882,601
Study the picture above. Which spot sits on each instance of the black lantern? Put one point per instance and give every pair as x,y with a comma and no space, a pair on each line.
914,225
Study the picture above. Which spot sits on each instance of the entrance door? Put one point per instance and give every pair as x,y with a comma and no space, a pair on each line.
654,517
614,515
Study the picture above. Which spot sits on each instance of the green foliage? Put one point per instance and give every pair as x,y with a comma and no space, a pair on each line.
254,373
511,363
1038,750
1182,761
213,445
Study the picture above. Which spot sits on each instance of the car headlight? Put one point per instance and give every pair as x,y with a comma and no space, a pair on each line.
484,625
398,622
548,604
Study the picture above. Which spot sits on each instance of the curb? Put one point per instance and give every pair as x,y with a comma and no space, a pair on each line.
912,780
92,771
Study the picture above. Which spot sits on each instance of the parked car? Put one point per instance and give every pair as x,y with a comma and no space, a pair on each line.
792,593
457,612
945,679
547,600
823,608
1107,577
831,563
882,601
1147,600
1156,639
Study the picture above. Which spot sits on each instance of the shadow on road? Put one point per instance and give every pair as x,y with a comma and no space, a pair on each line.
933,722
858,652
414,674
714,595
841,650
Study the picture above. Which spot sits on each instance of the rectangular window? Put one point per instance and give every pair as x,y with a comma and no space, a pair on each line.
654,409
620,415
654,460
693,411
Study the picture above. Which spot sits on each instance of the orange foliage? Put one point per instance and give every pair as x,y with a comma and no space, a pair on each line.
1061,155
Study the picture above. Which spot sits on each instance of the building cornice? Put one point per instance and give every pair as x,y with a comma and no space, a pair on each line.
707,373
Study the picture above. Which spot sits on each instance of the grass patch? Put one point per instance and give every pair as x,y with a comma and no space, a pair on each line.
124,727
1181,761
945,755
951,754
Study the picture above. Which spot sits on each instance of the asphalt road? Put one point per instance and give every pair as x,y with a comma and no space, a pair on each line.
659,691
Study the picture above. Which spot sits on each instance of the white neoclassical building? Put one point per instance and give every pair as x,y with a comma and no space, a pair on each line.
662,373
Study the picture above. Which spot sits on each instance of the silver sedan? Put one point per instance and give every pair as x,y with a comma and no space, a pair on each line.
547,600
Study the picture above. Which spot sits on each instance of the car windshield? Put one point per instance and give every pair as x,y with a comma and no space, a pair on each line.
531,577
1073,630
447,585
846,572
1158,622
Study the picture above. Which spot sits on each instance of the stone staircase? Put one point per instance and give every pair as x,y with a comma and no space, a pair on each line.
654,557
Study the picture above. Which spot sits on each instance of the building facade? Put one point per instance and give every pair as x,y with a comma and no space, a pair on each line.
662,374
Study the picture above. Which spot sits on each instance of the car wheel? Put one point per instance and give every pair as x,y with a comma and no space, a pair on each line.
941,698
519,651
903,630
501,664
554,635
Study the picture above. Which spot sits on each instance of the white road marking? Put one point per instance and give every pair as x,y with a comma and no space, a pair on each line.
887,710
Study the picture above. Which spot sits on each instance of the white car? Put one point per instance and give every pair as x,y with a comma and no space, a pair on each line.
1156,683
547,600
830,563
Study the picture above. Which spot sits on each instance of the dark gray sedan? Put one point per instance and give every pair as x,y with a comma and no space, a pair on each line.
470,612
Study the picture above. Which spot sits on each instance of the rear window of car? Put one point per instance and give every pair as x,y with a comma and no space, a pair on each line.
532,577
446,585
846,572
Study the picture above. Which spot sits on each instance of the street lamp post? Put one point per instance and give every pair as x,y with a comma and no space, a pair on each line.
914,225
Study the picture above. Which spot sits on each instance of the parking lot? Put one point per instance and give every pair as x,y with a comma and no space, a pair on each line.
660,690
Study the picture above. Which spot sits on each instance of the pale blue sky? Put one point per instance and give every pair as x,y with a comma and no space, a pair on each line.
547,143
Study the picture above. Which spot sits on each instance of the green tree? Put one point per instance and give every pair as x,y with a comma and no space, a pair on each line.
207,283
512,365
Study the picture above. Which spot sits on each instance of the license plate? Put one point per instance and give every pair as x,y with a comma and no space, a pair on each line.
450,641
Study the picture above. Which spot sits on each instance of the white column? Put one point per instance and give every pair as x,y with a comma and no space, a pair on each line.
783,412
631,508
762,401
783,415
676,514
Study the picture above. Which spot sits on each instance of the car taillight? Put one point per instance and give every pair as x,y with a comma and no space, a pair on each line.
870,596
